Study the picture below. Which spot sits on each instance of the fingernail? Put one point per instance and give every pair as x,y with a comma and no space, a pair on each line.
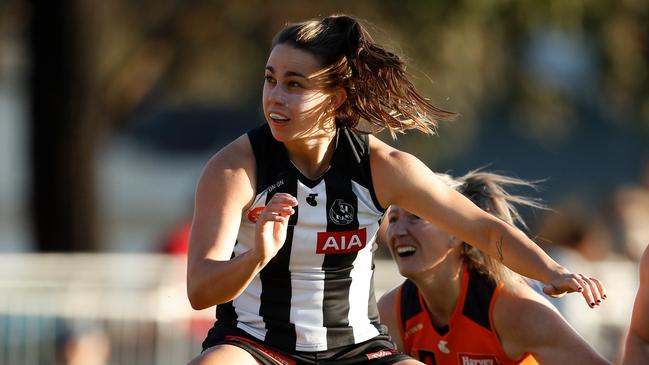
604,296
580,289
598,301
592,304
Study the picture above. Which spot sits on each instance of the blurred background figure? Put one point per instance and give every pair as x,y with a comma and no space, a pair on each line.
82,344
614,229
109,110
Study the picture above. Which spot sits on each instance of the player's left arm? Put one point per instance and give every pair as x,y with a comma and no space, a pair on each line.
402,179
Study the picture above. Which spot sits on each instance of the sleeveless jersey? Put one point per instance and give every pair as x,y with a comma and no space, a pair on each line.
469,338
317,293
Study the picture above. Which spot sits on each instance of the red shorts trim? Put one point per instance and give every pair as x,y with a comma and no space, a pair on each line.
272,355
380,354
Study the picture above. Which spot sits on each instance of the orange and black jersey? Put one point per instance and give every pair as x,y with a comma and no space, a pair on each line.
469,338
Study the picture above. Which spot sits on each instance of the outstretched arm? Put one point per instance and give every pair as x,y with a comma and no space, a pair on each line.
527,323
400,178
636,348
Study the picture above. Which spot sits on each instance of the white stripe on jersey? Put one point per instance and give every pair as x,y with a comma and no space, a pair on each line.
359,291
368,215
247,304
307,276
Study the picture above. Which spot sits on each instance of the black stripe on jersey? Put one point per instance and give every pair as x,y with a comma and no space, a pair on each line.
276,288
225,316
337,267
225,312
258,144
372,308
478,298
270,169
361,171
410,305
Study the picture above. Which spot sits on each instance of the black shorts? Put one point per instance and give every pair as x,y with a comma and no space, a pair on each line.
377,351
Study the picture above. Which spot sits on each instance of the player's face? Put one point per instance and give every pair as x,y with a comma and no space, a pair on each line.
293,106
416,245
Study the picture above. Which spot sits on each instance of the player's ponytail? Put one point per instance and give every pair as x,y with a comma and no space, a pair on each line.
488,191
378,88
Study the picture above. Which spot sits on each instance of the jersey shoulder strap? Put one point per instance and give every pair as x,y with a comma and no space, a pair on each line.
271,159
408,302
480,293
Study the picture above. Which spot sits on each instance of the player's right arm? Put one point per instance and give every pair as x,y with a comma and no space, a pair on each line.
225,189
527,323
636,349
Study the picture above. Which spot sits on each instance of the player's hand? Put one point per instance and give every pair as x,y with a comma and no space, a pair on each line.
591,288
272,224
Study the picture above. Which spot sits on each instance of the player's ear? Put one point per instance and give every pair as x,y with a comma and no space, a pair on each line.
454,242
337,98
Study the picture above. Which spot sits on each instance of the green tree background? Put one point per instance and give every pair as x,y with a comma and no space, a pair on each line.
476,57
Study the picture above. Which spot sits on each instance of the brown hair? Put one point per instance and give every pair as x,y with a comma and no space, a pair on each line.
487,191
377,85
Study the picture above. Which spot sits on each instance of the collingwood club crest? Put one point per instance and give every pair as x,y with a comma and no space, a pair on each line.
341,213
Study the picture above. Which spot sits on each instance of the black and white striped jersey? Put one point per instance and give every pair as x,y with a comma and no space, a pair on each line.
317,293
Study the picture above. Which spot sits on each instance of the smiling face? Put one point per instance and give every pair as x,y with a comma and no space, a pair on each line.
294,107
417,246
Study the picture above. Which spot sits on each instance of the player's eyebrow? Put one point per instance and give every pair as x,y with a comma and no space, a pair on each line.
287,73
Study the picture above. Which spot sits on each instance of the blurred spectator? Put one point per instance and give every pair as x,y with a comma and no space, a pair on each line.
630,210
82,343
566,234
619,229
176,240
616,231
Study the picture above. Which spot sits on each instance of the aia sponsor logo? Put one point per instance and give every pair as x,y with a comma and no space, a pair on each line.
253,214
341,242
475,359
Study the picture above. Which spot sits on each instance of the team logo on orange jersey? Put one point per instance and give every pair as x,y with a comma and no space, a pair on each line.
341,242
443,347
